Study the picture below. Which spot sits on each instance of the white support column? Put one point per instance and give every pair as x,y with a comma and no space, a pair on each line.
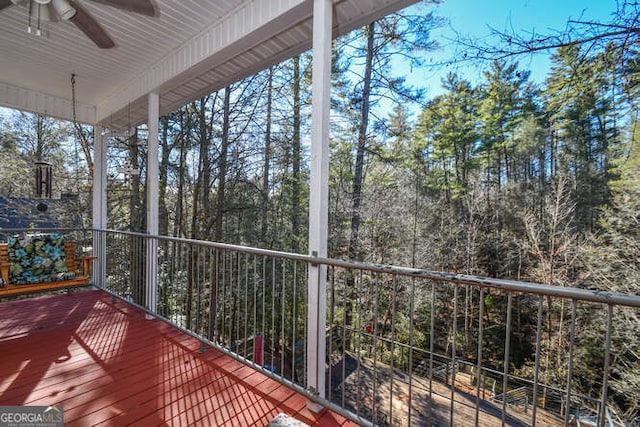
99,211
152,201
319,195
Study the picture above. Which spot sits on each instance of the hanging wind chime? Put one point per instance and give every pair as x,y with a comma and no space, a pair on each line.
128,170
44,184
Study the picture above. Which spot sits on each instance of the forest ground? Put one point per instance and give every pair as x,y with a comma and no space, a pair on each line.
363,377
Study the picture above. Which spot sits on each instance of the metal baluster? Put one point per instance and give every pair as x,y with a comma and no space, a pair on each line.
255,281
231,289
393,340
332,311
305,295
236,297
432,335
245,314
537,362
219,300
376,295
198,281
453,352
264,304
572,340
605,376
273,310
479,382
223,297
412,297
344,331
507,349
283,307
294,320
358,336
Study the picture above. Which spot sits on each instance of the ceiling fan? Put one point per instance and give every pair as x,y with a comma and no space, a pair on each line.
70,10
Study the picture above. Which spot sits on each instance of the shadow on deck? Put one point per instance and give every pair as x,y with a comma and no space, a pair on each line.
107,365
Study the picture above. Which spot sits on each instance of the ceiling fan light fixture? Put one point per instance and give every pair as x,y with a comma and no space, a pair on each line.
40,12
63,9
37,14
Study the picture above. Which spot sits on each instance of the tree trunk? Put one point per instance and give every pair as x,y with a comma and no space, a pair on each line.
354,252
137,222
295,190
179,222
358,177
219,213
267,161
222,167
163,223
200,193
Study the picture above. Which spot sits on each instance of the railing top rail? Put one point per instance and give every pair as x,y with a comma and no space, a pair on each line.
599,296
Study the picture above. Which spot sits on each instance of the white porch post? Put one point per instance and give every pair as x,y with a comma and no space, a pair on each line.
152,201
319,195
99,211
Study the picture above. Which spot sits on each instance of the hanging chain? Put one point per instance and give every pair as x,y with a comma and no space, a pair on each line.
73,100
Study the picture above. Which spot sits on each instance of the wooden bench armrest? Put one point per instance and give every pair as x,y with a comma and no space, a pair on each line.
86,263
4,271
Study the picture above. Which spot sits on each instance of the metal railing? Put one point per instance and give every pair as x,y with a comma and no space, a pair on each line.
404,346
436,348
229,295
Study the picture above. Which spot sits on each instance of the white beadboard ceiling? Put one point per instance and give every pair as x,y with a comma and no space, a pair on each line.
192,48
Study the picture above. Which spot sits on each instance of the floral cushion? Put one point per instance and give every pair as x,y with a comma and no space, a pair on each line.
37,258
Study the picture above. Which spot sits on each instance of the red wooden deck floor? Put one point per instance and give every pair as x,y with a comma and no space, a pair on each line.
107,365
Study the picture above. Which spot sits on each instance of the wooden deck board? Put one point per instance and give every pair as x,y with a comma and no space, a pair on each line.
108,365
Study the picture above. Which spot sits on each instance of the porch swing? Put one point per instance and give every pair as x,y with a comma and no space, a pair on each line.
33,263
41,262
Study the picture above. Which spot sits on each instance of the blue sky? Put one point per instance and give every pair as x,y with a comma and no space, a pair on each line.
474,17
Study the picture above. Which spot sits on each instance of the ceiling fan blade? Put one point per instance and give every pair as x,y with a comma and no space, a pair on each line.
5,3
144,7
90,27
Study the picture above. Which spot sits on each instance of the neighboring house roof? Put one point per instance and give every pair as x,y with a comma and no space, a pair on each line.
22,212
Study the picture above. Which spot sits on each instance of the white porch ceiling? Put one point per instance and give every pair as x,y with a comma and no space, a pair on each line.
192,48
